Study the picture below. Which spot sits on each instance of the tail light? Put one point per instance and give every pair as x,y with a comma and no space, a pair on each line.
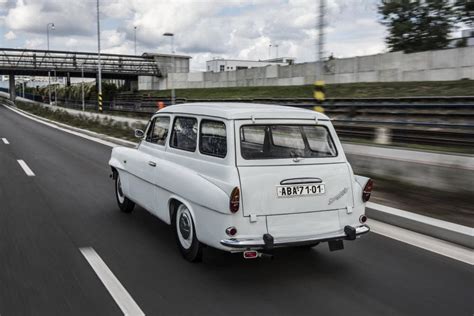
367,190
362,219
234,203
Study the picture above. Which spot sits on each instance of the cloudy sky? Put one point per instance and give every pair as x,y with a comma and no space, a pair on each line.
204,29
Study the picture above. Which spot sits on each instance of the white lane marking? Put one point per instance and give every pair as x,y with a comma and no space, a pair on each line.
432,244
423,219
26,169
5,141
111,283
57,125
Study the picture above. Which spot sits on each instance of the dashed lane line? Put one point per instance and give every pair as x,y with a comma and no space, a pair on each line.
25,168
111,283
5,141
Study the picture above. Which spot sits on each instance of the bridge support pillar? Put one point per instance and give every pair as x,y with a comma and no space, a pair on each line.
131,85
11,89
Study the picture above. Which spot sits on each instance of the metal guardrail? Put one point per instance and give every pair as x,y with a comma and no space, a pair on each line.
421,128
409,122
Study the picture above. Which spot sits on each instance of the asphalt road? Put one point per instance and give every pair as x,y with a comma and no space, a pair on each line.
69,204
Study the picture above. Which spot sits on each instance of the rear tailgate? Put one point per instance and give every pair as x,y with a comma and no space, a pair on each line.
291,167
260,186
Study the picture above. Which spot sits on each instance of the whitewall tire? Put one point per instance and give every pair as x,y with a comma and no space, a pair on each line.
185,232
123,202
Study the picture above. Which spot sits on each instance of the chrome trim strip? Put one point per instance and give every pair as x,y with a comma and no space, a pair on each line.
300,181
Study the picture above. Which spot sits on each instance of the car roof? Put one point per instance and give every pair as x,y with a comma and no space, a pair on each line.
237,110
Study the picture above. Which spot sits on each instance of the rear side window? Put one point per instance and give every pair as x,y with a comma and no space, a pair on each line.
213,140
158,130
279,141
254,134
184,134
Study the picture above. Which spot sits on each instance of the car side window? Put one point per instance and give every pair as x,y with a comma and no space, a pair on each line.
158,130
213,138
184,134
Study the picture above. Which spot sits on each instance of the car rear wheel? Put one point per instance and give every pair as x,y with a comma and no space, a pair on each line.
123,202
185,232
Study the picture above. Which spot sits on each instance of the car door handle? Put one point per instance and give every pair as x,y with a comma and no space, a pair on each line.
152,163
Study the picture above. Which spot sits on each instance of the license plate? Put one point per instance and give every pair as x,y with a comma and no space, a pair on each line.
300,190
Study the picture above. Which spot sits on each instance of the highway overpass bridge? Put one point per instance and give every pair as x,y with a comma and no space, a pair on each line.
30,62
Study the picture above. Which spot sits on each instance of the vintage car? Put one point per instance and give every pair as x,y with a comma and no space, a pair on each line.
243,178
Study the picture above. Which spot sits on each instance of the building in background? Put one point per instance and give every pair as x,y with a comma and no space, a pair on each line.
171,63
168,64
221,64
24,78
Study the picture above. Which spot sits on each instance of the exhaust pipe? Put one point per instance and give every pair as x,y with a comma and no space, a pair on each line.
253,254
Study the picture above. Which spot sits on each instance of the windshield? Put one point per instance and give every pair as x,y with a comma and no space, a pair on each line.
279,141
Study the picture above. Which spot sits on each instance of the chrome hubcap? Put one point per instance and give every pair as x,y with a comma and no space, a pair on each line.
120,195
184,227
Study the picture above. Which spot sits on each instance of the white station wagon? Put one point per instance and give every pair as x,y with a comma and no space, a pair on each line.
243,178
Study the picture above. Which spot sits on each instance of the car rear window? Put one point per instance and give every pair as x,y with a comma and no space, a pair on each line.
279,141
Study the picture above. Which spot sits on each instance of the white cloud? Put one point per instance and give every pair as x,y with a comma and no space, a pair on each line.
203,28
34,43
72,43
10,36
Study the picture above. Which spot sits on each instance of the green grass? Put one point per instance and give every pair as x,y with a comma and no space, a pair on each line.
347,90
96,124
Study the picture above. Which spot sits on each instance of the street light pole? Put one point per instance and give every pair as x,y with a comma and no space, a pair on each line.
49,87
135,38
320,41
55,88
51,24
99,70
171,35
47,43
82,88
23,89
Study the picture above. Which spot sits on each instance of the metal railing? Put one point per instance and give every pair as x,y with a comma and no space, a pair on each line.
444,121
40,62
440,124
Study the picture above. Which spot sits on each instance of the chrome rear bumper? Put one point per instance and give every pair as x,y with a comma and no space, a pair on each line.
267,241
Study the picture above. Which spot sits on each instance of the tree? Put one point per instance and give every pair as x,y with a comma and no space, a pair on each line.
416,26
465,11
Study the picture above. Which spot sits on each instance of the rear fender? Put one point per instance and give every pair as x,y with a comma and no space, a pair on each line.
182,201
361,181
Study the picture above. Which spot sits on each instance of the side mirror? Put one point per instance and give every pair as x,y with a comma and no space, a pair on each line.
139,133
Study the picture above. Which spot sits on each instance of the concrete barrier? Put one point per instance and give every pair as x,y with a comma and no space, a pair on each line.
132,122
445,64
449,172
458,234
